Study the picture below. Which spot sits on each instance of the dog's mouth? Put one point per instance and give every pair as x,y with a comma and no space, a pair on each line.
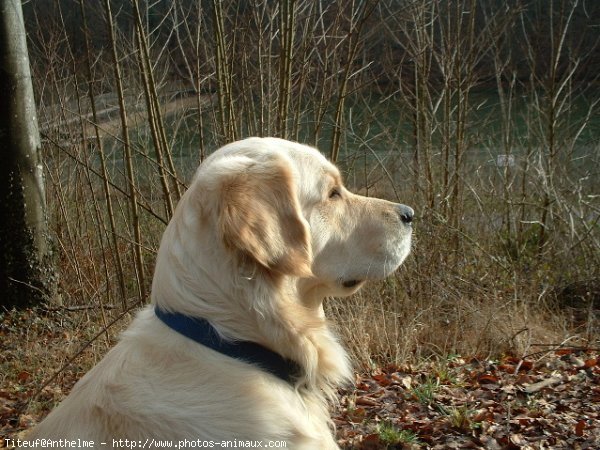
350,283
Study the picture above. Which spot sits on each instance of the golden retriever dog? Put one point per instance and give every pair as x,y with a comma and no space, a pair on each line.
235,349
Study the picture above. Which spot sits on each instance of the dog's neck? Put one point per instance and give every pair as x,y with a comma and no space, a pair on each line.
201,331
311,293
271,316
297,328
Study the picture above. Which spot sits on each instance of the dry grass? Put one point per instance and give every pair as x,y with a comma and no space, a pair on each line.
44,353
474,310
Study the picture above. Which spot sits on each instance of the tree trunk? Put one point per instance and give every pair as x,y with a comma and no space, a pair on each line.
23,230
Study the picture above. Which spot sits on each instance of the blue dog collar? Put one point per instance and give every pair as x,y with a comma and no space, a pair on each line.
201,331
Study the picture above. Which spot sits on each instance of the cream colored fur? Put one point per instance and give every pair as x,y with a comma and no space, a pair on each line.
264,233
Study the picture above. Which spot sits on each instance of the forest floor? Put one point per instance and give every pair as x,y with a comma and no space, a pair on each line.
549,400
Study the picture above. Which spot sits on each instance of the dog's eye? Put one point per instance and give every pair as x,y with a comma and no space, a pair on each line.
335,193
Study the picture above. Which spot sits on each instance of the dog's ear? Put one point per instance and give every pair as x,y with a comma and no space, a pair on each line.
260,216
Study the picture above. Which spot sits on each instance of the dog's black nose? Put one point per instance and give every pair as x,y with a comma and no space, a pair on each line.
406,213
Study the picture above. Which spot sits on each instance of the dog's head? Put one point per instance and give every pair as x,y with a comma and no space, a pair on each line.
279,209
